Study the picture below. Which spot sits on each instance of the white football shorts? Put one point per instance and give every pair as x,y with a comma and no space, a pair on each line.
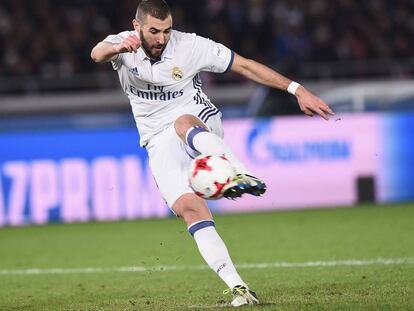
170,158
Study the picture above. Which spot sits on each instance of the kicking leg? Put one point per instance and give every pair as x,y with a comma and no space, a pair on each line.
193,132
195,135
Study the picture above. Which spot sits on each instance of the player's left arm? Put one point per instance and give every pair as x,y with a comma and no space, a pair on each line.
308,102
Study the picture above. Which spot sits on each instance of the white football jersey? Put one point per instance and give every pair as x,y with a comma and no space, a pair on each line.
161,92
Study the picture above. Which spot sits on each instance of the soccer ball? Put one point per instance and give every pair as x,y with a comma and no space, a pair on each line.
209,174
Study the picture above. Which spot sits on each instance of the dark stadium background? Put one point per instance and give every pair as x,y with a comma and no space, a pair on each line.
311,40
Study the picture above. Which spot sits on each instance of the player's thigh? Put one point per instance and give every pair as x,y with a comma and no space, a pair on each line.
169,164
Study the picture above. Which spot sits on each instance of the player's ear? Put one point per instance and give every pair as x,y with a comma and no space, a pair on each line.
137,25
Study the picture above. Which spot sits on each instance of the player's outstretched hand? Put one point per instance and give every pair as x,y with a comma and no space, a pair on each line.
130,44
311,104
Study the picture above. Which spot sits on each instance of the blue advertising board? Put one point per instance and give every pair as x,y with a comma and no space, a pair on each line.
78,174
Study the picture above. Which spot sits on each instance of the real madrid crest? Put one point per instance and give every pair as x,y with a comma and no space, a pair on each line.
177,74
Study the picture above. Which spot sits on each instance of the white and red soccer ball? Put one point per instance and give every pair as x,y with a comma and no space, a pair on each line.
209,174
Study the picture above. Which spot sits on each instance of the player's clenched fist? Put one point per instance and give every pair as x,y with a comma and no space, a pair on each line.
130,44
106,51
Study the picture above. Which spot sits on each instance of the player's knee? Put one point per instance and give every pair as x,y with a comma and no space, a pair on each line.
184,123
191,208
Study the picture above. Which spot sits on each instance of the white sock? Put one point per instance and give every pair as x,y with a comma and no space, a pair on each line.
209,143
215,253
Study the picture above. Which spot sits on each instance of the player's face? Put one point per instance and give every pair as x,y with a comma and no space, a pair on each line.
154,34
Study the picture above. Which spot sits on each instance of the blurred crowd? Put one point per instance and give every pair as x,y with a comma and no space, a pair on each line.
54,37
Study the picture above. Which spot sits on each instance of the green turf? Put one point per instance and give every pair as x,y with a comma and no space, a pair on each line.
319,235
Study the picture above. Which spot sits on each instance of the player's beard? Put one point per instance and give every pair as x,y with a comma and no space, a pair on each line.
148,48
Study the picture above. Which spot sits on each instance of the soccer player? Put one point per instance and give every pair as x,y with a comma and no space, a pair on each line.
158,69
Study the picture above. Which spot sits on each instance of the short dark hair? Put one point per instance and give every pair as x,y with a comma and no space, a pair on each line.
155,8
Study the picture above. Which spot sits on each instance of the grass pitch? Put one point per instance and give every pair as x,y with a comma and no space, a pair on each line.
293,260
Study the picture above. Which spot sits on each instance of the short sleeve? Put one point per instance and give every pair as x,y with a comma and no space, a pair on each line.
212,56
115,39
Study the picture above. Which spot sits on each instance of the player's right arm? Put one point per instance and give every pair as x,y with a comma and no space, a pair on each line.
106,52
308,102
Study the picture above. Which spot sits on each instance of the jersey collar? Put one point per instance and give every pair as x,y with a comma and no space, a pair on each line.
168,52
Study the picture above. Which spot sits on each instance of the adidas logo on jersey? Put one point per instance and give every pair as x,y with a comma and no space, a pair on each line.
134,71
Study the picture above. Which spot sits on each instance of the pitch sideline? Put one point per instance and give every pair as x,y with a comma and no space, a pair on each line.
280,265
